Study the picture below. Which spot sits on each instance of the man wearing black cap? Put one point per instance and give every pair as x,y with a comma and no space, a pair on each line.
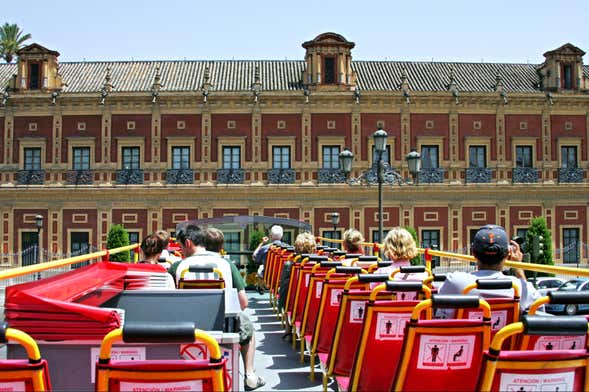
490,248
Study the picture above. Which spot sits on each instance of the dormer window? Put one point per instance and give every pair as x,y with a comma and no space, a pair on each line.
329,70
34,76
567,77
562,69
329,63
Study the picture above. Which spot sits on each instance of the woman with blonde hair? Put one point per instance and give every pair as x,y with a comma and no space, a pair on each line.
399,247
305,243
353,241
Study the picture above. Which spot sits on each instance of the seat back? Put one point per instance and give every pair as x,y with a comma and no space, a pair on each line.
280,260
557,370
554,342
30,374
303,286
295,269
203,278
271,256
443,354
196,375
381,339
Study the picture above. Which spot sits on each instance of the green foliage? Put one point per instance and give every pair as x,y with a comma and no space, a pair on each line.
417,259
11,40
255,239
540,249
117,237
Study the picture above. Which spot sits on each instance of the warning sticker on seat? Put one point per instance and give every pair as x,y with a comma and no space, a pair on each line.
15,386
174,386
445,352
391,326
357,311
318,289
336,297
498,318
116,354
537,382
547,343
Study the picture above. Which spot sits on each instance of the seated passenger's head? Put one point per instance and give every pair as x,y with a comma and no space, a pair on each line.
399,245
352,241
215,239
305,243
152,246
190,237
490,246
164,234
276,233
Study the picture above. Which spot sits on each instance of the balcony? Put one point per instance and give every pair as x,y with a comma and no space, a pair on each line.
281,176
571,174
524,175
79,177
431,175
30,177
180,176
331,176
478,175
130,176
230,176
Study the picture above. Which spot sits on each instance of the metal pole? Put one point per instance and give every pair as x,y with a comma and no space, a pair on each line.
380,180
39,251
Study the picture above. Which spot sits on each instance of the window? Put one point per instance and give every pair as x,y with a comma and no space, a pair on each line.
386,155
329,70
471,234
478,156
376,236
568,76
287,237
180,157
281,157
431,239
334,235
570,251
80,243
568,157
429,157
523,156
32,158
130,158
133,239
81,158
29,246
523,233
331,157
233,244
232,157
34,76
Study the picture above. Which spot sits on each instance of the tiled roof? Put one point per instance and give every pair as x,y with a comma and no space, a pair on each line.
236,75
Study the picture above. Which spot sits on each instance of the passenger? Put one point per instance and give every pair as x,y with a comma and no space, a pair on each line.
247,337
152,247
399,247
353,241
166,258
261,253
491,248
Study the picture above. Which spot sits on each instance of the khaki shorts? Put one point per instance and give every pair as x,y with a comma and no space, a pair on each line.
246,329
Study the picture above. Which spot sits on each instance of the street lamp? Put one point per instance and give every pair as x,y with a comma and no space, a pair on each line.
414,162
335,221
39,225
380,142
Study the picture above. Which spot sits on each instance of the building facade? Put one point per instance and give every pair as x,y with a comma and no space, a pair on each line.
151,143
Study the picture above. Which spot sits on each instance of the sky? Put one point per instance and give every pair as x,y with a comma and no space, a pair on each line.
494,31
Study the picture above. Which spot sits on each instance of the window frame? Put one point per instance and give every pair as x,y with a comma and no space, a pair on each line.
578,254
283,149
423,155
36,163
327,152
84,164
522,148
133,149
232,161
185,157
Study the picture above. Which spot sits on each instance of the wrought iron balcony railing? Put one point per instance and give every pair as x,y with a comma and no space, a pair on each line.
30,177
180,176
230,176
331,176
524,175
79,177
571,174
432,175
130,176
281,176
481,175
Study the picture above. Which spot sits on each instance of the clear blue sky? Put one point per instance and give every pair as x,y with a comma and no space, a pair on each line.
516,31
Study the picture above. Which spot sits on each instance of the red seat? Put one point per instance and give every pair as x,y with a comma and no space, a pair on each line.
443,354
557,370
30,374
379,349
207,282
201,375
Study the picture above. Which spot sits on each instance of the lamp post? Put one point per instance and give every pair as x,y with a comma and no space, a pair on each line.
335,221
414,162
39,225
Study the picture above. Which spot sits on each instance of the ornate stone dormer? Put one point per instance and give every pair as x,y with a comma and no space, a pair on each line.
563,69
329,63
38,69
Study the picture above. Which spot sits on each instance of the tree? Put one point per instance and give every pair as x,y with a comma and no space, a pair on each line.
539,244
417,259
11,40
117,237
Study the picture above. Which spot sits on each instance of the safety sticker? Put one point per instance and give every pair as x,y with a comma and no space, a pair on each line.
336,297
173,386
445,352
537,382
116,354
547,343
15,386
194,351
307,279
406,296
391,326
498,318
318,289
357,311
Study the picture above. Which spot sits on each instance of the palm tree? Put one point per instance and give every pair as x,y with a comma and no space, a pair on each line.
11,40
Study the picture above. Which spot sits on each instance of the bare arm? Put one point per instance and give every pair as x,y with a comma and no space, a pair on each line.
242,299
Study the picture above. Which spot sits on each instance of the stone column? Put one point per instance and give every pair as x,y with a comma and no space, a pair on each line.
500,144
256,145
106,145
454,145
548,164
206,142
